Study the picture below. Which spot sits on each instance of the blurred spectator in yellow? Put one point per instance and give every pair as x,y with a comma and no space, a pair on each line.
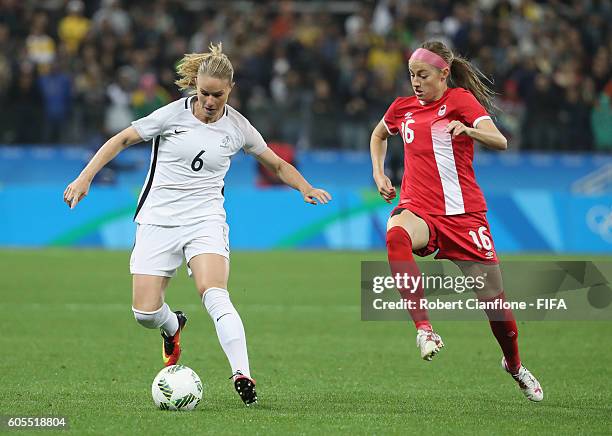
386,59
149,96
40,46
73,27
308,31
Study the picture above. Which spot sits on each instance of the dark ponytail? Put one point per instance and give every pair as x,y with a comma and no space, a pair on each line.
464,75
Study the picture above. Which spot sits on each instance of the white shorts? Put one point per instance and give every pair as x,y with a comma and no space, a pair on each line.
159,250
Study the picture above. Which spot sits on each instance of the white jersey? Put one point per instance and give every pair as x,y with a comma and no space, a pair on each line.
189,161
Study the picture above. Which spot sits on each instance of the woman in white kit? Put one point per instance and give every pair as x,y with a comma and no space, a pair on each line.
180,210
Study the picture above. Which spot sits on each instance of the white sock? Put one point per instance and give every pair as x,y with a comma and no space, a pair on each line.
230,330
162,318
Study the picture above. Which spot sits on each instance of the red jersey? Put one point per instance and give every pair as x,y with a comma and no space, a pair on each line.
438,173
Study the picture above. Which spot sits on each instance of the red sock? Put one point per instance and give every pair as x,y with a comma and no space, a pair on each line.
401,261
504,328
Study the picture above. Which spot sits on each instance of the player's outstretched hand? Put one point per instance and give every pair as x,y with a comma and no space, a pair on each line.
385,187
76,191
315,195
456,128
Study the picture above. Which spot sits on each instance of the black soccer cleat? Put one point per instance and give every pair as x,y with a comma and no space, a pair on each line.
245,387
171,345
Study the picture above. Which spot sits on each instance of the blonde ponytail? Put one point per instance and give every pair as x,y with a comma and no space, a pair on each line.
214,64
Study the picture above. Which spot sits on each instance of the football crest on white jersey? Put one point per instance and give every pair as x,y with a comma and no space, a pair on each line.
442,110
226,142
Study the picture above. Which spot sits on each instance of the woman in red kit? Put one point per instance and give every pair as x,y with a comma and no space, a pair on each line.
441,206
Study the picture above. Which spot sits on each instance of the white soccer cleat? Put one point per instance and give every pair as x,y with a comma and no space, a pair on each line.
528,384
429,343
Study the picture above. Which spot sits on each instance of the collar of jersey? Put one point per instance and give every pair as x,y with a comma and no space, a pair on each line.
188,107
433,103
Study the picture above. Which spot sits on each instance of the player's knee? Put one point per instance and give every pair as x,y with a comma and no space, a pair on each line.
398,237
148,319
204,287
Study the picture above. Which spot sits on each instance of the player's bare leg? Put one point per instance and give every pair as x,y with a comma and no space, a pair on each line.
503,326
415,226
407,232
151,311
148,291
211,272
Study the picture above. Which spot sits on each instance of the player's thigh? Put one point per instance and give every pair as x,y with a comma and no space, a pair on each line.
148,292
488,274
158,250
155,258
209,270
415,226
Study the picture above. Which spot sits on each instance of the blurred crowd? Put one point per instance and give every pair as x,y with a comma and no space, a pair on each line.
318,75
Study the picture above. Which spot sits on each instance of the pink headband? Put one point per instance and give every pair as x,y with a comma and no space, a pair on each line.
429,57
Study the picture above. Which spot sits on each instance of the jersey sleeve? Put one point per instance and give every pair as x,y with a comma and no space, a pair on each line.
470,109
390,119
153,124
253,141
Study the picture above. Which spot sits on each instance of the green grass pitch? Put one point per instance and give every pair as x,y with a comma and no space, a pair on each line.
71,347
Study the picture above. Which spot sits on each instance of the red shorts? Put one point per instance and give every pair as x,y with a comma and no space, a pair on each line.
456,237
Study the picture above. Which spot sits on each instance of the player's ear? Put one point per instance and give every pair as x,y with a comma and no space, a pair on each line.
444,73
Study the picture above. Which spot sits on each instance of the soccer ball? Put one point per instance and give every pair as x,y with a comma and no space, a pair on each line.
177,387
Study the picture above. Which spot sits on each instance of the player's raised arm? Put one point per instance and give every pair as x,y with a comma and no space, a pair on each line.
79,188
292,177
378,151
